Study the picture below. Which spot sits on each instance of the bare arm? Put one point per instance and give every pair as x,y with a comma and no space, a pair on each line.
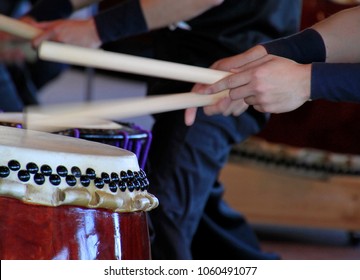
161,13
341,34
78,4
157,14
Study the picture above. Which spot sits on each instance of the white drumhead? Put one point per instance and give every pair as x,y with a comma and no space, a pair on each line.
39,167
19,118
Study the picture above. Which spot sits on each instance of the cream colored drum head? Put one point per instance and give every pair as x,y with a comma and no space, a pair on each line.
50,169
13,119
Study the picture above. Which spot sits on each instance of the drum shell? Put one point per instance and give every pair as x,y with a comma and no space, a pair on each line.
33,232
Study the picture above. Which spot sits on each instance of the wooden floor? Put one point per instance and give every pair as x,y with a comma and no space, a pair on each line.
291,243
294,243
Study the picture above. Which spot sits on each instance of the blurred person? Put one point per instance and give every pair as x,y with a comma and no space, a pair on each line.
192,221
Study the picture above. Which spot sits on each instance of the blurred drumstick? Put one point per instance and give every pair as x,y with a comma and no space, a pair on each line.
18,28
122,108
21,30
51,117
127,63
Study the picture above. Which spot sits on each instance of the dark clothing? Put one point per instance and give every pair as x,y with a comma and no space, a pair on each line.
228,29
335,81
10,101
192,220
20,83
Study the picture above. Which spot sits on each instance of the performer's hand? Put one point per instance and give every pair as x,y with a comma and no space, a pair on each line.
226,106
76,32
271,84
12,48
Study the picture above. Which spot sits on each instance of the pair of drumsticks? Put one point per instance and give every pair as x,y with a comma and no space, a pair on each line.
64,115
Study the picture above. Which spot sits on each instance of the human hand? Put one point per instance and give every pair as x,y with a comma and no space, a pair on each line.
14,49
226,106
76,32
271,84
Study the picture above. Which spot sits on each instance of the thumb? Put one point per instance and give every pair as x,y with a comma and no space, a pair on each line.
190,115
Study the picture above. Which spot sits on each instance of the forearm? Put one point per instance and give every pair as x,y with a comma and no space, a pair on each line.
161,13
79,4
133,17
46,10
341,34
335,39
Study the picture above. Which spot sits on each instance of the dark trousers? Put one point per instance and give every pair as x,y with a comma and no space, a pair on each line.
192,220
9,99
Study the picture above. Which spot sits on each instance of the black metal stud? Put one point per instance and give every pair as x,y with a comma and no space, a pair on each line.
113,186
71,180
4,171
137,185
24,175
105,177
14,165
91,173
84,180
123,175
122,186
130,186
130,174
39,179
55,179
115,177
76,171
62,171
99,183
46,170
32,168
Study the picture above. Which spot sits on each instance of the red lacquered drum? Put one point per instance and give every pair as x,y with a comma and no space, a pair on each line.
68,198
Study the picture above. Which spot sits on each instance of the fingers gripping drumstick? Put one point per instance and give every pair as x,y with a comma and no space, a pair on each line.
22,30
112,61
108,60
61,115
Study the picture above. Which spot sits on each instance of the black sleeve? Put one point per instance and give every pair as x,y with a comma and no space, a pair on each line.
303,47
123,20
45,10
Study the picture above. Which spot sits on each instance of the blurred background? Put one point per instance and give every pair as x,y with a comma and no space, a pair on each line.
300,185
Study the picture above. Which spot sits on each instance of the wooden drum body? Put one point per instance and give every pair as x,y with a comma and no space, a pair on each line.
67,198
67,233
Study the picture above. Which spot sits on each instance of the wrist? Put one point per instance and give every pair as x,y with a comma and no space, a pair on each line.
303,47
123,20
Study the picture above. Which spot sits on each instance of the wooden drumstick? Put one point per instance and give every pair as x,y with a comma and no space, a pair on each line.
50,118
127,63
18,28
109,60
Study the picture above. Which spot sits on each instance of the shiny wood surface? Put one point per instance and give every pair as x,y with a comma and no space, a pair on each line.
32,232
